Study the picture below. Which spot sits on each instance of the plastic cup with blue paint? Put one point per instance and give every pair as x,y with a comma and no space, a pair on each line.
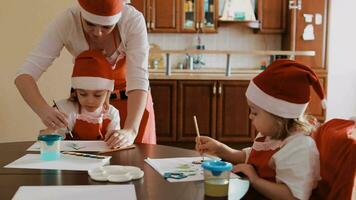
50,147
216,178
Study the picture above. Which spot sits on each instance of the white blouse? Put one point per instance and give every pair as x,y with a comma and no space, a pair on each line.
66,31
296,164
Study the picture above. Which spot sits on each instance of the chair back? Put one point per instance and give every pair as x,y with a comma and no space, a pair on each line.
337,148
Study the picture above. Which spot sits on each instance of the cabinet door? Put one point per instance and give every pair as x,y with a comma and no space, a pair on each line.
319,43
209,15
196,98
272,15
233,124
163,15
189,15
164,95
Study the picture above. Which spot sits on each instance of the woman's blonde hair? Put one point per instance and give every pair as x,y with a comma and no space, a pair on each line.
285,126
74,98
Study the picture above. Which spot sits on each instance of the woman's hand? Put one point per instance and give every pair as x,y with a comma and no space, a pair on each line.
204,144
52,118
120,138
248,170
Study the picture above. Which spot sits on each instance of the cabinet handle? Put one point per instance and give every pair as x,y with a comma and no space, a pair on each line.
214,89
148,25
152,25
220,89
197,25
295,5
201,25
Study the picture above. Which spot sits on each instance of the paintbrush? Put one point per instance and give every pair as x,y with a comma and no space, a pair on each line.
117,149
68,130
197,131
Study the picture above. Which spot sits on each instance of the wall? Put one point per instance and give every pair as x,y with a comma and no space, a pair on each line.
341,64
22,23
230,37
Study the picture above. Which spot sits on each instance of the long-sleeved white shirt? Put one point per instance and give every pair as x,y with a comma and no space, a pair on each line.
66,31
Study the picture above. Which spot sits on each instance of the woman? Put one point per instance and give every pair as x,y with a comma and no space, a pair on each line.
119,32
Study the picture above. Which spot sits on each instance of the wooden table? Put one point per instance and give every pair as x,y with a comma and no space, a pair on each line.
151,186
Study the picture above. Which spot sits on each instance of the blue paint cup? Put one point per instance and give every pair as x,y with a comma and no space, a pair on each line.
50,147
216,178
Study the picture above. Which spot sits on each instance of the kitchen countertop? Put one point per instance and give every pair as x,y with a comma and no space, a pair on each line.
212,74
203,74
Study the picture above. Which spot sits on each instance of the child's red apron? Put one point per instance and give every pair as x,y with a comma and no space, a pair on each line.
90,129
260,159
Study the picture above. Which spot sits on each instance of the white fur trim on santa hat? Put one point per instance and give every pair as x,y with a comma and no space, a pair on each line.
273,105
101,20
92,83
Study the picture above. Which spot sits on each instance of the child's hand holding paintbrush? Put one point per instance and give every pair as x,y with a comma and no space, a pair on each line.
204,144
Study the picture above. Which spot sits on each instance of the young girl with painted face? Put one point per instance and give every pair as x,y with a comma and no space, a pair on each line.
283,162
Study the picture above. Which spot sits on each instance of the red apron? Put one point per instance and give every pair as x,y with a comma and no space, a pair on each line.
260,159
147,130
93,130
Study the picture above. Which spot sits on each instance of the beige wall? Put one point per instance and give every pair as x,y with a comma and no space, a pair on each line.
21,25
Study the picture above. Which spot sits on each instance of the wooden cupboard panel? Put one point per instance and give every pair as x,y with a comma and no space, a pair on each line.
164,15
272,15
319,43
164,95
233,124
196,98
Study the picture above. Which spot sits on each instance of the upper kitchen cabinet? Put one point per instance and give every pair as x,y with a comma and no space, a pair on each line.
272,15
160,15
307,30
199,16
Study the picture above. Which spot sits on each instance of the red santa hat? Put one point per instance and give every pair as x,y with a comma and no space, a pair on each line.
103,12
283,89
92,72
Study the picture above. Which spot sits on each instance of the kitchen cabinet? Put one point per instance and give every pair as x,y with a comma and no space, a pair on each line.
160,15
164,95
293,39
220,106
271,15
199,16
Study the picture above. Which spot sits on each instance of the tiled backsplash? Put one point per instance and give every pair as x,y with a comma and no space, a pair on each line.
229,37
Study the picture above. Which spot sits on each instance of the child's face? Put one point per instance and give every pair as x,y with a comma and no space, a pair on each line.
91,100
263,121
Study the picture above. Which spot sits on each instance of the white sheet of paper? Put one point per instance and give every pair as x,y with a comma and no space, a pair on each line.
308,18
77,192
66,162
81,145
318,19
308,33
182,164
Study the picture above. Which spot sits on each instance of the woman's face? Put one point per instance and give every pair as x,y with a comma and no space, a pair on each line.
263,121
91,100
97,32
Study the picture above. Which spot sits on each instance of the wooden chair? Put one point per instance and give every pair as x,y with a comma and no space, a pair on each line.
337,149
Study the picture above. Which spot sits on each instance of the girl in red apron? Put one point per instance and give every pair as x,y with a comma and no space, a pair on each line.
90,115
283,162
